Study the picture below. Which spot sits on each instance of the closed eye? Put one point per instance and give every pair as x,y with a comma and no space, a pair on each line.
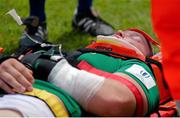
137,38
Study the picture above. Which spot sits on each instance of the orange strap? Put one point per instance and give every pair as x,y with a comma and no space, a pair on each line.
1,50
165,110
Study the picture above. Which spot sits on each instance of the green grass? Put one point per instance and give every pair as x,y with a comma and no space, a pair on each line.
121,14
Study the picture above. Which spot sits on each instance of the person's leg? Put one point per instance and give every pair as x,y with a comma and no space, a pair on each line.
35,26
84,6
87,20
37,8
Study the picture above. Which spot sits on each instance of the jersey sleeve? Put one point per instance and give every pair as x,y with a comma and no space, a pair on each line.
143,75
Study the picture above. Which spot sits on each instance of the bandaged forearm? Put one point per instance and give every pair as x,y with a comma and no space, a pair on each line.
81,85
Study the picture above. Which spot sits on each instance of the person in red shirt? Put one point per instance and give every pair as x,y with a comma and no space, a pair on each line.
166,24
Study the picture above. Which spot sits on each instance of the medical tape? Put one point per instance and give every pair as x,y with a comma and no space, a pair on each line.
81,85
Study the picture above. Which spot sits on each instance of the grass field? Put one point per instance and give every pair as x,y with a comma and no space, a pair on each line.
121,14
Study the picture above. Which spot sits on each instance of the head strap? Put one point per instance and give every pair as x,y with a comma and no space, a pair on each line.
112,43
147,36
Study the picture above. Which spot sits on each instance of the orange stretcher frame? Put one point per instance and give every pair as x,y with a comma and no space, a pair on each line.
1,50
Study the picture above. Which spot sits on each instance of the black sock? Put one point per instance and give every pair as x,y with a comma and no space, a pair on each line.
84,6
37,8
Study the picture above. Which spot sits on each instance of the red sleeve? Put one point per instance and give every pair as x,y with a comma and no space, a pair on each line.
166,24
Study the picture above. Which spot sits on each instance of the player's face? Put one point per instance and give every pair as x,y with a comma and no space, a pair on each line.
135,39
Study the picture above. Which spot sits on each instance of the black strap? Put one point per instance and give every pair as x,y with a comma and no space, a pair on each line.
40,64
114,54
71,57
152,61
5,57
2,58
106,52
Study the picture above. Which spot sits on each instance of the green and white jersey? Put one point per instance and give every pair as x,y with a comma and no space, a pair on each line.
136,69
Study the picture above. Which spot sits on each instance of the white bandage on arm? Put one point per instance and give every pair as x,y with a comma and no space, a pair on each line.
81,85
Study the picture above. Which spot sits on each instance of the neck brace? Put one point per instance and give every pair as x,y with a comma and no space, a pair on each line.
115,44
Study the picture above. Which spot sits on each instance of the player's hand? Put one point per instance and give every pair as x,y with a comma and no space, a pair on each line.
15,77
